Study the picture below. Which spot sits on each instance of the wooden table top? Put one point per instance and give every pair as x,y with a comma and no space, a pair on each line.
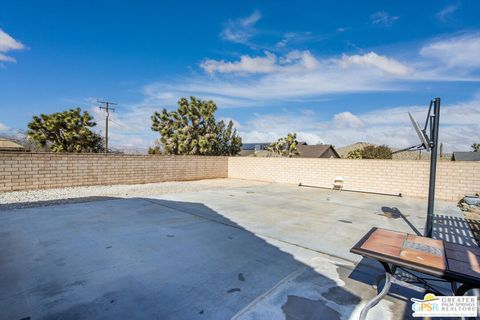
430,256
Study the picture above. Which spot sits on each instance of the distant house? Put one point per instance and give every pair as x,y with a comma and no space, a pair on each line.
9,145
306,151
466,156
317,151
252,148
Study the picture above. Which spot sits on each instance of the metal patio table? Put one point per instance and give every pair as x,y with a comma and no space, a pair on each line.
449,262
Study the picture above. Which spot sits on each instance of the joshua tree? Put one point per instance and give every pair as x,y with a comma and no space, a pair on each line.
355,154
67,131
228,142
285,146
476,147
192,129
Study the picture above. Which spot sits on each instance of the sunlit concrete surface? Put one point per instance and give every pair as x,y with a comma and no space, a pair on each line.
247,250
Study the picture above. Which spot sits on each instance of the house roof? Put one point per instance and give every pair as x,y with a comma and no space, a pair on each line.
251,146
9,145
466,156
315,151
263,145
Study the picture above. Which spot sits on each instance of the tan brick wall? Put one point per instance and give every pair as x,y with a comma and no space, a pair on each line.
29,171
454,178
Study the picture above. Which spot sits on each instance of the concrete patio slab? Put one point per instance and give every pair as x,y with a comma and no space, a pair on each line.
246,251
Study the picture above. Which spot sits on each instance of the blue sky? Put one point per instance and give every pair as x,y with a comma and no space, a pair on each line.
333,71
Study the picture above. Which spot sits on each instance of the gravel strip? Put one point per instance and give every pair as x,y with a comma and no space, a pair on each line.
36,198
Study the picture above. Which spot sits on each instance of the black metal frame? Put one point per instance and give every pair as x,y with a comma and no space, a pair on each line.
432,123
392,265
390,278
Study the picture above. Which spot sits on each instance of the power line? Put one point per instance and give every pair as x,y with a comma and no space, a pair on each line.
118,124
107,109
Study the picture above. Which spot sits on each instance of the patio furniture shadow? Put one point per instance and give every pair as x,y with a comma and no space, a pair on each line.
456,230
142,258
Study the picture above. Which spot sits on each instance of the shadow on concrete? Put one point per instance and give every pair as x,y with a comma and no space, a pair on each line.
157,259
44,203
395,213
475,228
456,230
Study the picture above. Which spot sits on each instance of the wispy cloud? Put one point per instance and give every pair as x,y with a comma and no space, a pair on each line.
389,125
461,51
446,12
347,119
7,44
291,39
3,127
387,65
383,18
246,64
242,29
287,38
301,76
293,61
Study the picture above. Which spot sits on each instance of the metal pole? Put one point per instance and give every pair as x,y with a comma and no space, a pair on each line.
433,166
107,114
106,128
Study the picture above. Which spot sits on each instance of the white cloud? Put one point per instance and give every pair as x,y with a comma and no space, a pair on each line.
3,127
460,51
387,65
295,38
460,124
10,132
446,12
246,64
304,59
241,30
300,75
294,61
347,119
7,44
296,75
383,18
268,128
287,37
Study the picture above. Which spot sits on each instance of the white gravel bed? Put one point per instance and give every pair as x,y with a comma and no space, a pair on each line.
34,198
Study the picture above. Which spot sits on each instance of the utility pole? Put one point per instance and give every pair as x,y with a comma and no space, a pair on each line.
107,108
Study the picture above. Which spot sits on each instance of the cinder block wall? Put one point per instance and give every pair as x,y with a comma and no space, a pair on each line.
29,171
454,178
